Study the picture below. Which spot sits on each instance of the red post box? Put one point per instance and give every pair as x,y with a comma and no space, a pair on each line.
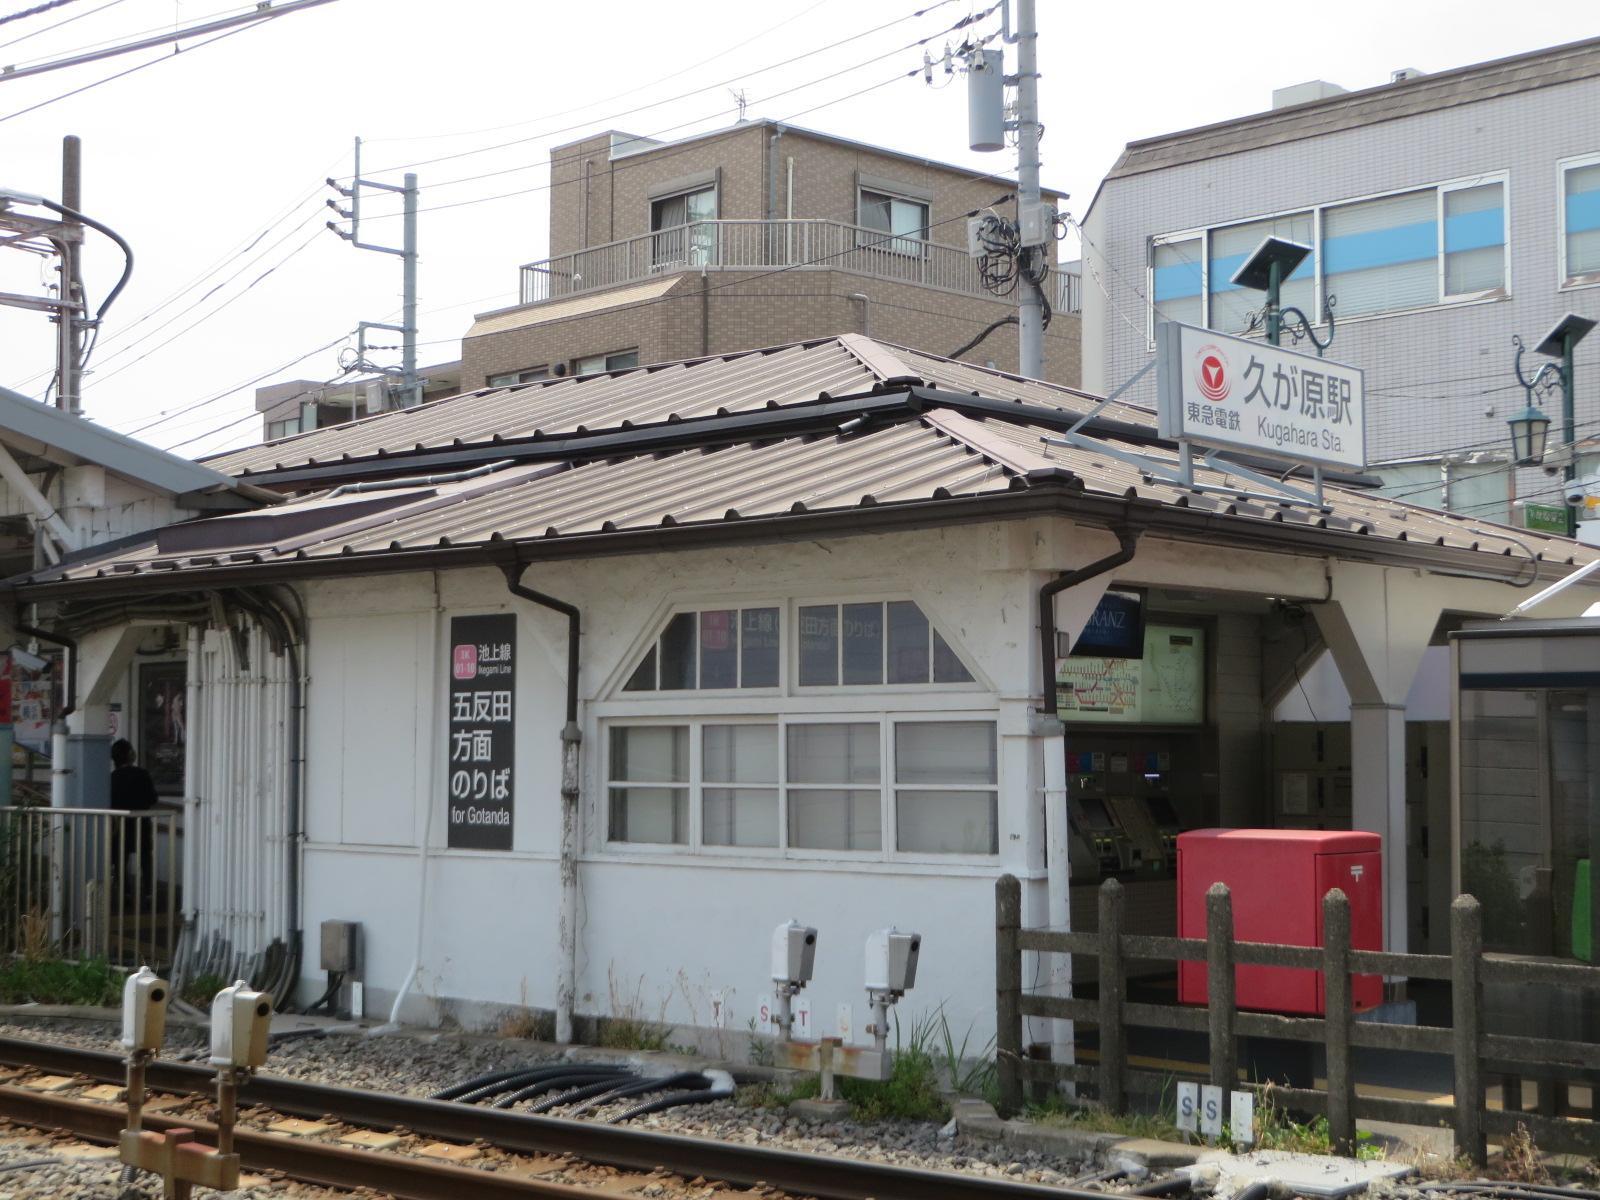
1278,878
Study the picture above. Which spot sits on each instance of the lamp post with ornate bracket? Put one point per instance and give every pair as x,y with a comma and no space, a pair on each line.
1530,427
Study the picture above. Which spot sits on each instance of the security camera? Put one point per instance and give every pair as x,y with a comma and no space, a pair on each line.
1575,494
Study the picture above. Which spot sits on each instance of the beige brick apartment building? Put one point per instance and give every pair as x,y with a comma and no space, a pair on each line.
753,236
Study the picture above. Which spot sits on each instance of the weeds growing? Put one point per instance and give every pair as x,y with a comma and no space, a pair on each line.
627,1028
56,981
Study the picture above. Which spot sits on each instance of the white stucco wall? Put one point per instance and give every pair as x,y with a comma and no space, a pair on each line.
688,924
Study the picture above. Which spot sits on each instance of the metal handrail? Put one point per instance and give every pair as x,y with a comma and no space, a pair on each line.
723,245
91,883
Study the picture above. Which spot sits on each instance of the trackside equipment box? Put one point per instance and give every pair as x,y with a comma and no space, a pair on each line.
1278,878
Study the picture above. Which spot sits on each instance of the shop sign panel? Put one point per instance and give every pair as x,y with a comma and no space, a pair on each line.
1236,393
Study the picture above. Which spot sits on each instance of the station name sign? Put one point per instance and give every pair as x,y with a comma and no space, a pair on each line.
481,731
1246,394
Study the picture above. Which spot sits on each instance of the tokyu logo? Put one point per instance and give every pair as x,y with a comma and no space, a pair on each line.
1211,373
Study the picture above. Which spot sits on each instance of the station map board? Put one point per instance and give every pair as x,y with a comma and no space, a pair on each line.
1165,687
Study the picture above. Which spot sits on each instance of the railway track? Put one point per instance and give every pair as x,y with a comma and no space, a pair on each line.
518,1152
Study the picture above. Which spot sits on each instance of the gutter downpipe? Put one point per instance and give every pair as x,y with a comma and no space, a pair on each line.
1058,872
571,745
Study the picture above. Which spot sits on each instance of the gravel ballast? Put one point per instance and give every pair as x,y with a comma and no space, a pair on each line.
417,1063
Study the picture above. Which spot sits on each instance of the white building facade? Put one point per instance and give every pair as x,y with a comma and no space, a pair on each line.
1446,212
814,680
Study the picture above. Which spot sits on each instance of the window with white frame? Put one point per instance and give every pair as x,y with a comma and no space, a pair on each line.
1440,244
807,783
1580,221
905,220
681,228
526,375
616,360
877,642
711,648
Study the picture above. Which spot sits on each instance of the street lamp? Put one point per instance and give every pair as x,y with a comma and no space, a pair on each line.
1268,265
1530,429
1559,343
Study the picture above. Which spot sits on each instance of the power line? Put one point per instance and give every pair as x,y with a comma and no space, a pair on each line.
789,61
21,112
178,412
443,183
723,53
207,316
34,11
255,16
58,24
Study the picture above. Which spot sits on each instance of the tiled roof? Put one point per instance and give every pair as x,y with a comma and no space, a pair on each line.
1351,110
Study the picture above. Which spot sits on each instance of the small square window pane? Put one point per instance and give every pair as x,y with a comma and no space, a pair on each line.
908,643
719,648
947,668
740,754
1232,245
1474,239
643,678
677,653
835,819
947,753
741,816
946,822
1580,188
833,753
651,753
1178,279
758,646
819,645
861,633
650,814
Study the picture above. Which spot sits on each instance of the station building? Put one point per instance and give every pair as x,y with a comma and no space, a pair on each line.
569,691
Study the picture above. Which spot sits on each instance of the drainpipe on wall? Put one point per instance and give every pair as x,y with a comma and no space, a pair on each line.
571,745
866,312
1058,871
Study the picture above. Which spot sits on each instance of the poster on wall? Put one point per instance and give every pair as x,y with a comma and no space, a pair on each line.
34,682
1165,687
163,725
481,731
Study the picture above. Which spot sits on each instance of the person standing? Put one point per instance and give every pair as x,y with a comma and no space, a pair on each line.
133,790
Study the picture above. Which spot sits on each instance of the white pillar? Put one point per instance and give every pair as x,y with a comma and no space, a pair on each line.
1378,624
1378,801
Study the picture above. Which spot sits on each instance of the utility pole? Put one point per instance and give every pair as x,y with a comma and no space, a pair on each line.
1030,309
408,391
69,358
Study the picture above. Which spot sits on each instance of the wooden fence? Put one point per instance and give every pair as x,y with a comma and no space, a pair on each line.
1466,969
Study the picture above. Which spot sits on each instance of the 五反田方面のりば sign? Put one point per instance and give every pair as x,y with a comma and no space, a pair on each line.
1247,394
481,731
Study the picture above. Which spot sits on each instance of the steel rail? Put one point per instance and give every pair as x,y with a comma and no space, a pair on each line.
814,1175
307,1161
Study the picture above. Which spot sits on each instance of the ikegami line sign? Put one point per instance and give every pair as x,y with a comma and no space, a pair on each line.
1246,394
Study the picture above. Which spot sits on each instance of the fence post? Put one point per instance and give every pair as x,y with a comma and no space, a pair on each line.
1466,952
1220,986
1337,1019
1008,991
1112,1046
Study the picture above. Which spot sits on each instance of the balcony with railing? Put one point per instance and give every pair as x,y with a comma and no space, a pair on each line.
816,245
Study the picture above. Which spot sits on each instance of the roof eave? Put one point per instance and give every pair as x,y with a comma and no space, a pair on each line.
1038,499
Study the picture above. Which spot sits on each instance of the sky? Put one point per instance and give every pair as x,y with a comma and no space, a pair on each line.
211,161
